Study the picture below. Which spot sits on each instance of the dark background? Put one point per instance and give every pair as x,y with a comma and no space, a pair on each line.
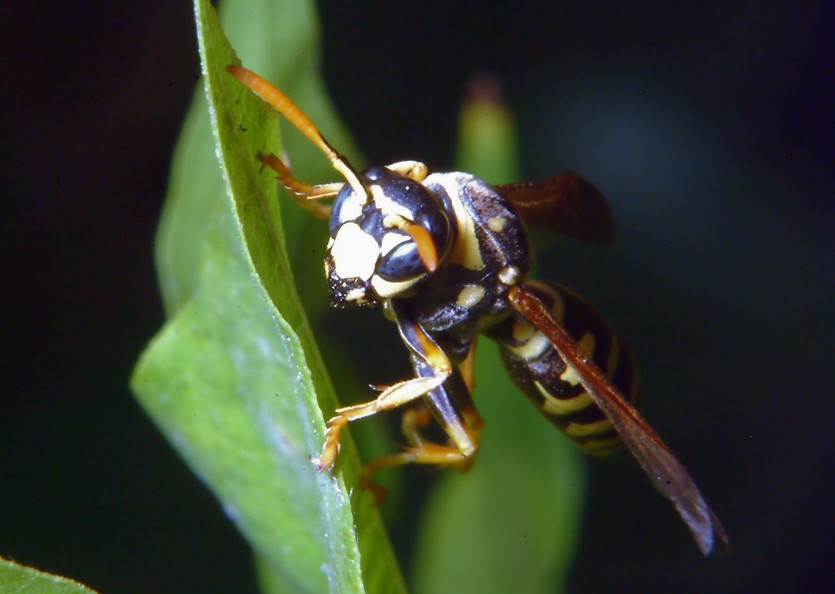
708,125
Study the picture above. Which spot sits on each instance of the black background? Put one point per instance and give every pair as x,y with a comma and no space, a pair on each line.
708,125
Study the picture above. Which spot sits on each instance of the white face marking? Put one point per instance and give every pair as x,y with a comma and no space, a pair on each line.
354,252
470,296
391,241
357,295
351,209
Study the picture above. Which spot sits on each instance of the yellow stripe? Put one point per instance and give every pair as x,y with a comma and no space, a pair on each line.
587,429
466,250
522,331
535,346
561,407
570,374
558,309
587,343
602,447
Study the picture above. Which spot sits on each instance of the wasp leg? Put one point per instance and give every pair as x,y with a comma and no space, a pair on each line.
467,370
426,453
413,419
412,422
450,404
421,451
461,419
444,392
303,194
392,397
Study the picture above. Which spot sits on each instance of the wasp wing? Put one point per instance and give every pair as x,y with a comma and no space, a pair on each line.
565,203
666,473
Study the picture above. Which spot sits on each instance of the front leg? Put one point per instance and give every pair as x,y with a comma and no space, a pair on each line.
435,370
445,394
392,397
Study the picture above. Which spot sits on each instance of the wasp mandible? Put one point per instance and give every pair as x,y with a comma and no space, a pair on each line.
447,257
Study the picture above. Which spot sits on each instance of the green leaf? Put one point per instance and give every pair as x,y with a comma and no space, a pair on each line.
514,518
16,578
232,379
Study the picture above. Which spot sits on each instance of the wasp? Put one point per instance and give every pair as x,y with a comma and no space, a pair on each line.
447,256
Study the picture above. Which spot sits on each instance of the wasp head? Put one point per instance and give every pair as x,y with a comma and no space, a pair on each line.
386,241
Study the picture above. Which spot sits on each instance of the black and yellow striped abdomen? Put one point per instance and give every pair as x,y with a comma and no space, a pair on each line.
553,387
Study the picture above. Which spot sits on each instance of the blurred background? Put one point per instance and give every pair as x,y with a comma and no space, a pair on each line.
710,129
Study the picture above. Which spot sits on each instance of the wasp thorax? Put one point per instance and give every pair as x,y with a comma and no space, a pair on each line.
384,243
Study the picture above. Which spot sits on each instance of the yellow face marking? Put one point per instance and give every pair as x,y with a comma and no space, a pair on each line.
587,429
470,296
357,295
386,289
561,407
391,241
388,206
497,223
354,252
351,208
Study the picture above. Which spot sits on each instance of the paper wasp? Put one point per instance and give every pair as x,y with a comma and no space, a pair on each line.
447,256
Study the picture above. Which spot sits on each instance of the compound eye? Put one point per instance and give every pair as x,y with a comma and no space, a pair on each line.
437,224
401,262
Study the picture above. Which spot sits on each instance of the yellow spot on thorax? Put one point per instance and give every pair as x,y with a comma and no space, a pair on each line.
497,223
470,296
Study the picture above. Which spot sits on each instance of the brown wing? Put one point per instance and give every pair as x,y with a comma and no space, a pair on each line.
666,473
565,203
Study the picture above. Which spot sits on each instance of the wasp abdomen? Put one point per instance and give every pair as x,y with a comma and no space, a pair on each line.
538,370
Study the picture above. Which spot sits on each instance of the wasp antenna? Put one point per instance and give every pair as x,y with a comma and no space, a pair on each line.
282,103
423,240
